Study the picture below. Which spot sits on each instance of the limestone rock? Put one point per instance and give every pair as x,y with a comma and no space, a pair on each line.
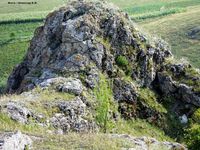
186,94
166,84
73,86
84,34
82,40
69,85
17,112
124,91
14,141
72,117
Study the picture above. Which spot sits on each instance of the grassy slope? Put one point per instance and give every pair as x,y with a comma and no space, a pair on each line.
14,41
174,29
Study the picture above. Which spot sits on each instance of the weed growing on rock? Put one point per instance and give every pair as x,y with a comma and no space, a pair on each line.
121,61
104,96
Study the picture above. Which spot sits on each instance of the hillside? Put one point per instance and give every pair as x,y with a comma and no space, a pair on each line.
181,31
90,79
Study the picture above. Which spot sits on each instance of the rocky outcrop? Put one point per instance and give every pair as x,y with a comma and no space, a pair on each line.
124,92
68,85
81,42
16,112
86,36
73,117
186,94
146,143
14,141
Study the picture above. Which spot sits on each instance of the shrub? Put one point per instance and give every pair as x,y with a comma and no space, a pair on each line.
105,104
121,61
193,137
196,116
12,35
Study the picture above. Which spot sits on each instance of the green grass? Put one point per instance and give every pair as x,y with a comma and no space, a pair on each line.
139,128
157,8
150,98
13,17
82,141
9,125
14,42
156,14
174,29
193,137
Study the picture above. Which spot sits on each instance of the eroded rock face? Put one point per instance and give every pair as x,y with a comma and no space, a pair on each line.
166,84
124,92
187,95
86,36
14,141
73,86
73,117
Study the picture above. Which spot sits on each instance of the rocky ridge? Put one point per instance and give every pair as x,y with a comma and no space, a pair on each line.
69,54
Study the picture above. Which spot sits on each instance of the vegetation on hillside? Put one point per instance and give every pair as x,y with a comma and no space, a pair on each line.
174,20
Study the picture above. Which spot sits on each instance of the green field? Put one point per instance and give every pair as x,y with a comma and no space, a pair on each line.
173,20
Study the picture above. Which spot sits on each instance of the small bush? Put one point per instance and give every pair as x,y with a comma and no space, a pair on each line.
196,116
105,104
122,61
12,35
193,137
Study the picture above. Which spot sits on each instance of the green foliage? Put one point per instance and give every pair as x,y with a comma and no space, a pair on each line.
12,35
172,126
105,103
26,147
196,116
121,61
193,137
149,97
